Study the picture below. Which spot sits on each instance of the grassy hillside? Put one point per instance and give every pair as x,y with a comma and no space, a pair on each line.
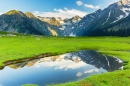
18,47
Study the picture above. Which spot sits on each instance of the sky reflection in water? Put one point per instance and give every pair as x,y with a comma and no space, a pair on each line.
58,69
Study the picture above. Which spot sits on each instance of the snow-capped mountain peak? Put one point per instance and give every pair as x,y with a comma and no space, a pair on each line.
113,14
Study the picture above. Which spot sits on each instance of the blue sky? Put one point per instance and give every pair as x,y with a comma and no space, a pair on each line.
62,8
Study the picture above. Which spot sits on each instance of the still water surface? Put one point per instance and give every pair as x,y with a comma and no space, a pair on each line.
58,69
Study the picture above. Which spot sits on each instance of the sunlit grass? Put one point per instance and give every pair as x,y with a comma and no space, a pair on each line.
117,78
29,85
14,48
26,46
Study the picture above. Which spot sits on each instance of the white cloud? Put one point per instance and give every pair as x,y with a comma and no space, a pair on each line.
79,3
91,71
63,64
60,62
1,13
113,2
79,74
63,13
91,6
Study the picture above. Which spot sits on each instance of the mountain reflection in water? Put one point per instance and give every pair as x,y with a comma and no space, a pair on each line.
59,69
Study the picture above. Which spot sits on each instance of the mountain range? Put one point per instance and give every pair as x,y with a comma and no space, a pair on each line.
26,23
111,21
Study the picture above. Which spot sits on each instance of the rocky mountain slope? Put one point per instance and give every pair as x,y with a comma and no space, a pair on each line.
19,22
50,20
117,21
69,26
113,20
62,24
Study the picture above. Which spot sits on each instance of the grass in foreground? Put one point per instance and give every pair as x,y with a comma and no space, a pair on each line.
117,78
29,85
15,48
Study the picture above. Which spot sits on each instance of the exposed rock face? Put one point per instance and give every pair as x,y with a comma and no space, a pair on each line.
15,12
73,19
54,33
76,18
113,20
50,20
125,2
19,22
29,15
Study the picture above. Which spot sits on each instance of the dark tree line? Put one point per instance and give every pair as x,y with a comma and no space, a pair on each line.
103,32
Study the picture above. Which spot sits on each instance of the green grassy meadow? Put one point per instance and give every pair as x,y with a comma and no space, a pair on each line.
19,47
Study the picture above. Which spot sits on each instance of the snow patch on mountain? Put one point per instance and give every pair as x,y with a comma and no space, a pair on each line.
77,21
72,35
62,22
119,18
107,18
92,16
62,28
126,11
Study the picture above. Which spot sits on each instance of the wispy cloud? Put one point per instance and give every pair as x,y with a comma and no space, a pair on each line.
79,74
79,3
63,13
91,70
1,13
91,6
113,2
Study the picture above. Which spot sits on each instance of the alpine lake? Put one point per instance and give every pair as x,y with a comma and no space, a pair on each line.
58,69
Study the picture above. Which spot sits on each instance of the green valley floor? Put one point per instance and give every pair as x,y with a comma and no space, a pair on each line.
20,47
